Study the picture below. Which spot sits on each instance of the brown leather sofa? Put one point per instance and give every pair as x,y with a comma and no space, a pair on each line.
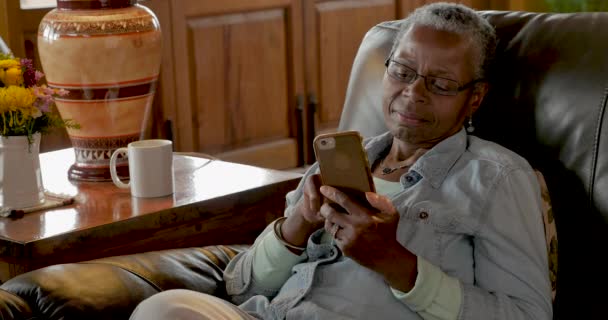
547,102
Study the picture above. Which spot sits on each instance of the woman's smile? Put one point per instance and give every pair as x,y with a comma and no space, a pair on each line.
408,118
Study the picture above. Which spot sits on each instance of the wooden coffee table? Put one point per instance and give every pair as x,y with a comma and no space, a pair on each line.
215,202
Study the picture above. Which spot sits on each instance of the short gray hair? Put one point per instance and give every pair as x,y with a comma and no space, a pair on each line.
458,19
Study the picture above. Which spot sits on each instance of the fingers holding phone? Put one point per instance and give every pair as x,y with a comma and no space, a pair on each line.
312,200
306,217
364,234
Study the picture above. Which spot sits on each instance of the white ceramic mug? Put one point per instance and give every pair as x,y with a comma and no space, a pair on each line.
150,168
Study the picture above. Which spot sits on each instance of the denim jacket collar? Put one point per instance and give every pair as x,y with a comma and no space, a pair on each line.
433,165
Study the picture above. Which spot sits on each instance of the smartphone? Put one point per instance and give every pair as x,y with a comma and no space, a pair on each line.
343,163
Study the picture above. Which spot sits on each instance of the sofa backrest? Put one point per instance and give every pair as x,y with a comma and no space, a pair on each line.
549,86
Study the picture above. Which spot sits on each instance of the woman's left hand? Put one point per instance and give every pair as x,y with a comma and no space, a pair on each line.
369,236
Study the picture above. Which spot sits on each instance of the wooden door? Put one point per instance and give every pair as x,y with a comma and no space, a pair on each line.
407,6
163,105
529,5
19,28
237,69
333,32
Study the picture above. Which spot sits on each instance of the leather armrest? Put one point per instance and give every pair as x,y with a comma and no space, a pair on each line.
111,288
13,307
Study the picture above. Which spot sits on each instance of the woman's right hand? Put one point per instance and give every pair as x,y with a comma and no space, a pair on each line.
306,218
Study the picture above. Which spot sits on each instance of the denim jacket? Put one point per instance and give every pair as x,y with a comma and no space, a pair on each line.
468,206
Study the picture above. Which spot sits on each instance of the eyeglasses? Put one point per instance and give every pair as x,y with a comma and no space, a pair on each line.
437,85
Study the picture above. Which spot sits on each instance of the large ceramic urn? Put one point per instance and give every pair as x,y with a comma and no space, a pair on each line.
107,54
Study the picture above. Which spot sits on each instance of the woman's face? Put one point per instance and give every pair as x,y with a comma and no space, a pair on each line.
414,114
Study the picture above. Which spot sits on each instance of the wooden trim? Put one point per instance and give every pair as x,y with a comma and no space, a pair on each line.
295,60
12,22
516,4
528,5
4,20
164,106
311,76
229,6
281,154
183,124
15,23
499,4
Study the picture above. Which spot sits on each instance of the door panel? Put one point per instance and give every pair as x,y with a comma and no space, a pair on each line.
407,6
237,71
342,25
334,30
236,79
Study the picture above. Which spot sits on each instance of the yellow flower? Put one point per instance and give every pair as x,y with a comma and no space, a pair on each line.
10,72
9,63
25,111
16,107
14,98
12,77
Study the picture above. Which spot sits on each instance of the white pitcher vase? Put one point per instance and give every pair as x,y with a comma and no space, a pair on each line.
20,177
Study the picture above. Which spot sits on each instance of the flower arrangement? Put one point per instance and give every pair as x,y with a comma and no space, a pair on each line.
25,106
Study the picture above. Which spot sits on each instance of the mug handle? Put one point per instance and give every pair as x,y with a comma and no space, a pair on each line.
113,172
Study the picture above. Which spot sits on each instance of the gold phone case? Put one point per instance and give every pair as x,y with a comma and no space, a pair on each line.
343,162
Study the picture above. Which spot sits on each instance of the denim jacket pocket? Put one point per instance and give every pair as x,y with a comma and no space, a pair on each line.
426,228
428,214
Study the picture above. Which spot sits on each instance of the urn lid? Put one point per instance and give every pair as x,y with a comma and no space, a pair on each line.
94,4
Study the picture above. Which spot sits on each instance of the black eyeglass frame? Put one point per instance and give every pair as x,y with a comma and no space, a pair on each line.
428,86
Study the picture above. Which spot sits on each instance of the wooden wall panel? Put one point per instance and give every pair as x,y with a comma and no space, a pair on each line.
163,111
4,23
499,5
333,32
12,27
527,5
342,25
219,7
407,6
240,70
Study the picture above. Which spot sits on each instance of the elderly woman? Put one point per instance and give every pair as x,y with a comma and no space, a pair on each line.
455,228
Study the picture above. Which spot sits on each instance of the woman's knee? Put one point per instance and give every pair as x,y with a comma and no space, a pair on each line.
185,304
165,304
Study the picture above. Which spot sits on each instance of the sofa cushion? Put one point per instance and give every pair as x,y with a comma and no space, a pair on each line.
13,307
111,288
